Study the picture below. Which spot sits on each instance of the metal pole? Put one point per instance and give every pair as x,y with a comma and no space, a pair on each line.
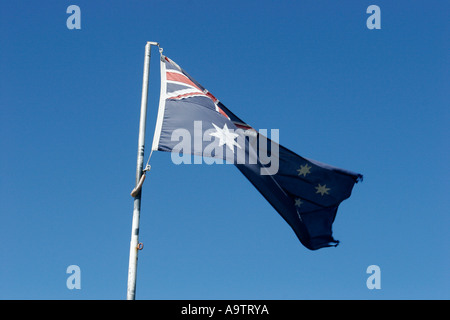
132,266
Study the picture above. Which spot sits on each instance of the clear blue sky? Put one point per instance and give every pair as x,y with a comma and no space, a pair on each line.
370,101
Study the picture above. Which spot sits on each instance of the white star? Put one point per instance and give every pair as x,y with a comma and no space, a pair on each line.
322,189
226,137
304,170
298,202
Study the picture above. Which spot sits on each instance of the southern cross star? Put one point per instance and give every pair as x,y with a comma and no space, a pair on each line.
298,202
226,137
322,189
304,170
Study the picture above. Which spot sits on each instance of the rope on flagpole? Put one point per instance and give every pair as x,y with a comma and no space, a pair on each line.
138,188
147,166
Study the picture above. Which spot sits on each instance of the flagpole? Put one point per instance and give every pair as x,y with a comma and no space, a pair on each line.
134,243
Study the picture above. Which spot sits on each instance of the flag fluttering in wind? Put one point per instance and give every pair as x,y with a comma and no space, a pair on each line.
305,192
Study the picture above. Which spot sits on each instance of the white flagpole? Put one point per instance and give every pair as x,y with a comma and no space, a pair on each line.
134,243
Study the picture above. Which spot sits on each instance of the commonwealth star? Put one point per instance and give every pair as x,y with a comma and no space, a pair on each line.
226,137
322,189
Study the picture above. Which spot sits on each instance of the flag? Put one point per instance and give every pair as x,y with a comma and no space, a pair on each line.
306,193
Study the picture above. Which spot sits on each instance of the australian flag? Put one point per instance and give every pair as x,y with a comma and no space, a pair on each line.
305,192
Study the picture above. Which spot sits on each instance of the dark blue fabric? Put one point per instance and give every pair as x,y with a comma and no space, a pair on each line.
311,221
305,192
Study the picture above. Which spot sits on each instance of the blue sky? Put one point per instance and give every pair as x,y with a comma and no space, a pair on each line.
370,101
